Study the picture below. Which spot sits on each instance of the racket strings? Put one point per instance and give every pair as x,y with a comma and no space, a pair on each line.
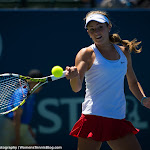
6,90
8,86
8,99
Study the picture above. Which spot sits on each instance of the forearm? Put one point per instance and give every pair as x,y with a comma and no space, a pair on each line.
137,90
76,84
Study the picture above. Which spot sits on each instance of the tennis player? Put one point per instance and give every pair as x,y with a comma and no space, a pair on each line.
104,65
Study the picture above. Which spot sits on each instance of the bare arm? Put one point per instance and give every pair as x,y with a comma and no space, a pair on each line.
76,73
133,83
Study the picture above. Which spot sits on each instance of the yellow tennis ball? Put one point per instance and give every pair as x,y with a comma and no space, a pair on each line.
57,71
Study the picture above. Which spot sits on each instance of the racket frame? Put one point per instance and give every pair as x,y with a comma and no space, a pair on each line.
41,82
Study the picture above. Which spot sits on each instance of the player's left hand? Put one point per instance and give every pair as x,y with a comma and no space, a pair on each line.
146,102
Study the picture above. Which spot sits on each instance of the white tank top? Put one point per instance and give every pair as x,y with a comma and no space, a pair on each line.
105,86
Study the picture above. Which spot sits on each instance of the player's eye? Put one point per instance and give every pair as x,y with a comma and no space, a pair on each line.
91,29
100,27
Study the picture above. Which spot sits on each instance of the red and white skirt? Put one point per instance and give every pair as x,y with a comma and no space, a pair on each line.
102,128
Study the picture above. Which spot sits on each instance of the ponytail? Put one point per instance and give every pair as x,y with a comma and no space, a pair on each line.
131,45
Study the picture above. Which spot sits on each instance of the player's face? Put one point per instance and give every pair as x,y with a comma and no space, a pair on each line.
99,32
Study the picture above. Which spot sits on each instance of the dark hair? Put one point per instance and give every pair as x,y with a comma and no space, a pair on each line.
35,73
115,38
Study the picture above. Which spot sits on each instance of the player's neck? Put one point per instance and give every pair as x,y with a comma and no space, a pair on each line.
105,47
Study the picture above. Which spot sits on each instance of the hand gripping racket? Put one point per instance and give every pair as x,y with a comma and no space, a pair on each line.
14,90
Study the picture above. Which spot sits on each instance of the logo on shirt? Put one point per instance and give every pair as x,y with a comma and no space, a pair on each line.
122,62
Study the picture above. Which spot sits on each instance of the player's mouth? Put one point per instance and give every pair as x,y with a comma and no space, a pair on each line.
98,37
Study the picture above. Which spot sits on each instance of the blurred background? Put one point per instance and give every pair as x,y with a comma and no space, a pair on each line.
43,33
74,3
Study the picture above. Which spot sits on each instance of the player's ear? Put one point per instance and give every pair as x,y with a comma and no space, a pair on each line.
88,32
109,27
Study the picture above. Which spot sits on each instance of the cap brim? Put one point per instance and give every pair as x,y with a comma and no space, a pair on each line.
97,17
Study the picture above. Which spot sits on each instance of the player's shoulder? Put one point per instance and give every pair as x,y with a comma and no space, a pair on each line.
85,54
125,50
86,51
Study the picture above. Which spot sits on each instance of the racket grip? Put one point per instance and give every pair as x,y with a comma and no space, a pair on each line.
56,78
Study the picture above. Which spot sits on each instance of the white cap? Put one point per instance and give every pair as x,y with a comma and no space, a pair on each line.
96,17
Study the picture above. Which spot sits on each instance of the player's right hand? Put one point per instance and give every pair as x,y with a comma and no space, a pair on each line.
72,72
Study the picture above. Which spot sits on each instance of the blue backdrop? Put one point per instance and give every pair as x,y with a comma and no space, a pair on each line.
44,38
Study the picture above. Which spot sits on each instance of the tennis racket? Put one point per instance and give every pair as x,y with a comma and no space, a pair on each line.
15,90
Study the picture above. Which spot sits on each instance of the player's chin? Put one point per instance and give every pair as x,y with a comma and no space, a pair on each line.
98,42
